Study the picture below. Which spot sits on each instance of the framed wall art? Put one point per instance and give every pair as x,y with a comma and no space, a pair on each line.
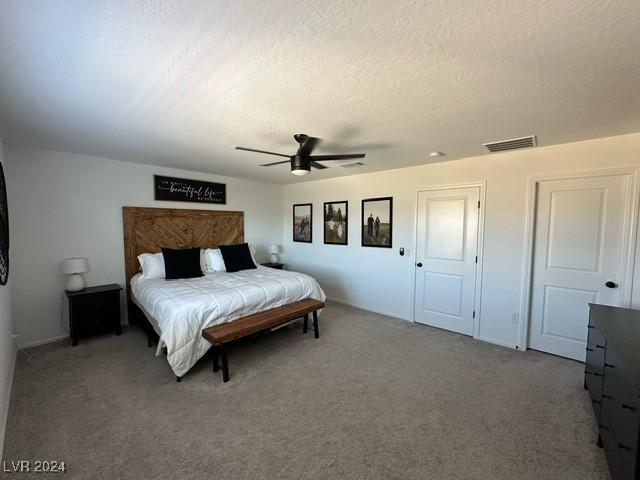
336,221
184,190
377,222
303,222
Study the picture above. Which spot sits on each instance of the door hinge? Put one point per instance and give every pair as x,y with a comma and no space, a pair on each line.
476,258
474,314
478,203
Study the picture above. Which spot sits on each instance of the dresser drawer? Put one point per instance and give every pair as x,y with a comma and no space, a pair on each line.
595,338
611,450
594,366
620,406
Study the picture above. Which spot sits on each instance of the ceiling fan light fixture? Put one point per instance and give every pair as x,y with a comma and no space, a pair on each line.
300,166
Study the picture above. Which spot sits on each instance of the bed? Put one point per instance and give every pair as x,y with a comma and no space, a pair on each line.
178,310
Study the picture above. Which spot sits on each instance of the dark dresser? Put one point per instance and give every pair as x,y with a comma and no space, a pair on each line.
612,377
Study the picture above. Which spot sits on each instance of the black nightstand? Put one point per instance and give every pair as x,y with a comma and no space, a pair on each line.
277,266
93,311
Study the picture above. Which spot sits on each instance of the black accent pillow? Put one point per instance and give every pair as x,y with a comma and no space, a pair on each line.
181,263
237,257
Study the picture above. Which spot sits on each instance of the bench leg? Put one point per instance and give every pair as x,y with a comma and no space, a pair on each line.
305,324
216,354
316,332
225,364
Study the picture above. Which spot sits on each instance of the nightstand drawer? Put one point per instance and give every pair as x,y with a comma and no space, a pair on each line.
97,302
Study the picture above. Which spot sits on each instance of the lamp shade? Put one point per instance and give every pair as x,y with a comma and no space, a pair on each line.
74,265
274,249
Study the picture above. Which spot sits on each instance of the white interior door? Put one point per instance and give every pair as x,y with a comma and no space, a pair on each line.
446,258
577,258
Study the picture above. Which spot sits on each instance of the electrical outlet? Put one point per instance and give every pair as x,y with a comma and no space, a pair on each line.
515,318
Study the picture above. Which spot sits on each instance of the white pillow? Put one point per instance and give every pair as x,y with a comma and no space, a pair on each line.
213,261
152,265
252,250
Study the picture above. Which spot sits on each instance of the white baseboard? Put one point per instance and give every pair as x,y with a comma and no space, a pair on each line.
367,308
43,341
496,342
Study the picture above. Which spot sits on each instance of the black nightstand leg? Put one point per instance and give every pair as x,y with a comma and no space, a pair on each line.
216,354
305,325
316,332
74,341
119,330
178,379
225,364
599,442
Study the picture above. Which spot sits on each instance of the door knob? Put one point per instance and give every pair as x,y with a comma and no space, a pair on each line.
611,284
419,264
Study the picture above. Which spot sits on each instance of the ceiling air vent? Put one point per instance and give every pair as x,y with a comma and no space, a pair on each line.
351,165
512,144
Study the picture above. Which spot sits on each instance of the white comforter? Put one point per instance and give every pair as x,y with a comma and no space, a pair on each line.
183,308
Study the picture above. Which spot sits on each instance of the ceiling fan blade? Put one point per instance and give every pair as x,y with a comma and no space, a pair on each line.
275,163
307,147
317,165
320,158
262,151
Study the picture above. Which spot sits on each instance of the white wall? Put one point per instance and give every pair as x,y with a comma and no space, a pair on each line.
381,280
7,344
66,205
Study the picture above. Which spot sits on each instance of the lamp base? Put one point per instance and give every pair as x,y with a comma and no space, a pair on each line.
75,283
274,258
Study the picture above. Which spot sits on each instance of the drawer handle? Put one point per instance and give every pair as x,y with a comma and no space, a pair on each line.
595,401
589,349
603,427
587,373
596,374
624,447
628,407
600,346
590,326
608,397
608,365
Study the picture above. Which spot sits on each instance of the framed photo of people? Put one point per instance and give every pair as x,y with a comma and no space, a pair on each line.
377,222
302,222
336,223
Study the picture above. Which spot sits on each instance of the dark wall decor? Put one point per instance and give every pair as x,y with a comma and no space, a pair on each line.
185,190
4,231
336,223
303,222
377,222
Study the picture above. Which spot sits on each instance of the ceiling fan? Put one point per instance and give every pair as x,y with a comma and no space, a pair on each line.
302,161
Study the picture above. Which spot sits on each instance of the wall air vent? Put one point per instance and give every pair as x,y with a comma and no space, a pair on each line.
355,164
512,144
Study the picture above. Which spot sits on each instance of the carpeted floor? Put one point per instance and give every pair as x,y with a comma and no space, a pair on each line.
373,398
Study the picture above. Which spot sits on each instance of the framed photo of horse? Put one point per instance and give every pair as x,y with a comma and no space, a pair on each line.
303,222
377,222
336,221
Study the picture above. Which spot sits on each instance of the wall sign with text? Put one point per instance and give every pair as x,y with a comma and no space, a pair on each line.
184,190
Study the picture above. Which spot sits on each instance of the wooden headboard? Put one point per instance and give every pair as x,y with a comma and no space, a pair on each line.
147,230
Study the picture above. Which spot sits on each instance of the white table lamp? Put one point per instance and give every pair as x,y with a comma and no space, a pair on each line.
274,250
74,267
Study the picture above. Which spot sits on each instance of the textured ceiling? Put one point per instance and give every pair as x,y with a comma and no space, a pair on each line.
181,83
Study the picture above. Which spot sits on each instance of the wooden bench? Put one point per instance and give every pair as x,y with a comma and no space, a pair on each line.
220,335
